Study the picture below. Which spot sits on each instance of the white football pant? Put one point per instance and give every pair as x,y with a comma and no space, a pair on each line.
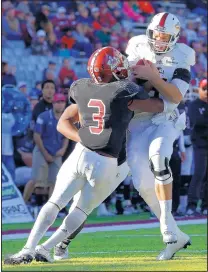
123,171
94,176
144,141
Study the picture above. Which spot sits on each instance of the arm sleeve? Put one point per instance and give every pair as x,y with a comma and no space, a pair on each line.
181,79
40,124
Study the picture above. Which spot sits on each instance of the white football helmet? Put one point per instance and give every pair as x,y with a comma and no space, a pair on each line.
165,23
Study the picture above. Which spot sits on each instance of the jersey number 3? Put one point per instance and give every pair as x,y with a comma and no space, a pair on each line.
98,116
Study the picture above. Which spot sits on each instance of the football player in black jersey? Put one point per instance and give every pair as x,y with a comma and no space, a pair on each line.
104,106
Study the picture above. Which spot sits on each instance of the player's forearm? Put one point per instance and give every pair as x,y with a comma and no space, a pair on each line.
154,105
168,90
66,123
38,141
68,129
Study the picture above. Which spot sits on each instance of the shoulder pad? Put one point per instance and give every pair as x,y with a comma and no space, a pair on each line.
134,41
79,82
188,53
72,92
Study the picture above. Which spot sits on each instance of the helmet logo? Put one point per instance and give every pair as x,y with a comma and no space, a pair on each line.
113,62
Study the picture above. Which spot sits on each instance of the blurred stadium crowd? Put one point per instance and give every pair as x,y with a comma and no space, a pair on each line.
51,41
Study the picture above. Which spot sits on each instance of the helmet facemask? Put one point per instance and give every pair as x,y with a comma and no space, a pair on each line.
121,72
161,47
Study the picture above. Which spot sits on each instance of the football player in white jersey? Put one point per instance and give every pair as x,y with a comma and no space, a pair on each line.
166,70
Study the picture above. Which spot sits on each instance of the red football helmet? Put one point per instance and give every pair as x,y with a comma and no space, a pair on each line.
106,63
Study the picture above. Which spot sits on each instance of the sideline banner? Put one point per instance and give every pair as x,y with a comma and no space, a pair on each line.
14,209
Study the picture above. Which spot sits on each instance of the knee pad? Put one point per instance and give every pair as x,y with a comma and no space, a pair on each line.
159,166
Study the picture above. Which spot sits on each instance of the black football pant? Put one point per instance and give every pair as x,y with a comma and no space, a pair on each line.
197,188
175,165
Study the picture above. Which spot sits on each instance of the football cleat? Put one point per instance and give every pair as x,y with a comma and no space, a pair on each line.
60,253
42,255
171,249
25,256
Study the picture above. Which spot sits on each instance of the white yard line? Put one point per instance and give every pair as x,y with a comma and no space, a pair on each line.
132,251
149,225
147,235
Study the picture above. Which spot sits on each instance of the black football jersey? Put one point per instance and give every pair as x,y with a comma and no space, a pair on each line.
104,112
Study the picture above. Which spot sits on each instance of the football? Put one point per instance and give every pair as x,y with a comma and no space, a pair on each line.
138,80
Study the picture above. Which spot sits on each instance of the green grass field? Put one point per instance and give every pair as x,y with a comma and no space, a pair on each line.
133,250
92,219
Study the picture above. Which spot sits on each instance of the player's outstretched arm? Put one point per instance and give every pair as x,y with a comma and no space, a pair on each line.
154,105
66,123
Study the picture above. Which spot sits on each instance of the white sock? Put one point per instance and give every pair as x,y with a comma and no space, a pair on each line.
150,198
44,220
166,208
70,224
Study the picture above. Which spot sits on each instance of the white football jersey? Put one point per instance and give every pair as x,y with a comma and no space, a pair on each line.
182,56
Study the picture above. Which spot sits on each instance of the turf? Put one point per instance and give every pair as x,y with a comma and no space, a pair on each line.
121,251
